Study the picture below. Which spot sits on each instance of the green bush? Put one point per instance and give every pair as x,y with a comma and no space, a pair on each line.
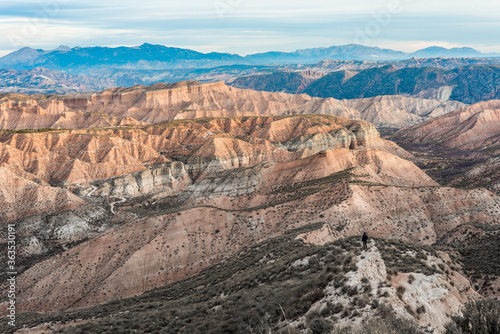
478,317
320,326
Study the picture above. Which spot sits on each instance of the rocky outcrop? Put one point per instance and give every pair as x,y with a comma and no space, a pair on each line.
429,298
187,100
385,195
168,178
474,127
21,197
66,156
469,138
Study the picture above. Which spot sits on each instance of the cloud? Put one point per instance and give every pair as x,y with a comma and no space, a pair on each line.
244,26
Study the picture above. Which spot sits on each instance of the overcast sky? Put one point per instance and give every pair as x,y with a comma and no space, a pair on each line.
250,26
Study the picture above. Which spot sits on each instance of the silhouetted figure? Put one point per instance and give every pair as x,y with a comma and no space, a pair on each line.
364,238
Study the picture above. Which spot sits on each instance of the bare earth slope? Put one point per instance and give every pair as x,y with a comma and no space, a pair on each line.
239,181
187,100
468,128
133,208
76,156
470,135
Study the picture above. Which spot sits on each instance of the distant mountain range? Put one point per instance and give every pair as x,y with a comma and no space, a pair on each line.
80,60
77,70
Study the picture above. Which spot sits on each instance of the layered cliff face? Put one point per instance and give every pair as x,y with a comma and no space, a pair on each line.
228,210
187,100
123,210
168,179
397,110
467,142
66,156
43,113
475,127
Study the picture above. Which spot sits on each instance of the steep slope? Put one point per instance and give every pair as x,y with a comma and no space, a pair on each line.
294,285
398,110
474,127
25,196
69,156
187,100
469,135
73,157
42,114
226,211
468,84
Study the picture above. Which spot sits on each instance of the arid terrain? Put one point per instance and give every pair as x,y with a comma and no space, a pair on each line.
190,204
187,100
461,148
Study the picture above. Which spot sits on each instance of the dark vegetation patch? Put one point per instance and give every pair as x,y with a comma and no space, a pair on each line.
41,130
276,195
481,259
451,167
251,293
478,317
384,322
402,257
254,292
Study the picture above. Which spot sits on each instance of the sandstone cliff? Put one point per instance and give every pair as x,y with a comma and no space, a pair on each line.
473,127
384,194
467,139
187,100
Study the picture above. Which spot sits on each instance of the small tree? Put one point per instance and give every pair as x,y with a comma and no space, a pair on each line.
478,317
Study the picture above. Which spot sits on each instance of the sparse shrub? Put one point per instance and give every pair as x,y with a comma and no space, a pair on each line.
409,310
385,294
385,310
312,315
345,313
338,283
325,312
320,326
363,301
287,330
478,317
313,296
411,279
400,290
352,291
420,309
389,325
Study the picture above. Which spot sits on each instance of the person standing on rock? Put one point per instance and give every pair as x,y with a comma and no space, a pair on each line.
364,238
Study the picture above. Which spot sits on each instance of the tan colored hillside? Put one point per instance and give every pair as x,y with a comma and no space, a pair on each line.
187,100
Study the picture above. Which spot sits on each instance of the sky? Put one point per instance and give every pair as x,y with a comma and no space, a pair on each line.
250,26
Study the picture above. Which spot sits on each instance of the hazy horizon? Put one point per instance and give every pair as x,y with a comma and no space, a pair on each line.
247,27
